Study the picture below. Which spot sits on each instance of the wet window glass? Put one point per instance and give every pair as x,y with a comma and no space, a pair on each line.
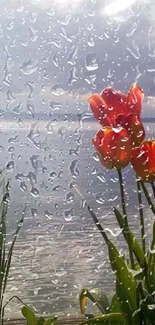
53,56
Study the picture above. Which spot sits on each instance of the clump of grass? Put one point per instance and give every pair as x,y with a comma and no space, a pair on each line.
5,254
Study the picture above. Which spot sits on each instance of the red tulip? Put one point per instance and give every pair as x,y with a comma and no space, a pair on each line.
143,160
113,146
114,108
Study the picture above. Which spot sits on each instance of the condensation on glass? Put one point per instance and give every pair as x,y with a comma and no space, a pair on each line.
53,56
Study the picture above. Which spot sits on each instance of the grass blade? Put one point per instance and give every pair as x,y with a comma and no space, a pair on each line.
8,260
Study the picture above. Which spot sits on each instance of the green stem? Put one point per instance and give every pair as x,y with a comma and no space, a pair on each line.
142,227
147,197
125,214
122,197
153,188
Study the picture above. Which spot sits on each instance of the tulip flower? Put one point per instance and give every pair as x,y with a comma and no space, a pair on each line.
113,146
143,160
114,108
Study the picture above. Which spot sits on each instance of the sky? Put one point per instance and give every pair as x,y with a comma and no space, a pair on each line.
54,54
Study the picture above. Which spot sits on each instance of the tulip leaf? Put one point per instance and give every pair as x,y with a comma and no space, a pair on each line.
150,311
123,275
29,315
50,321
40,321
112,319
97,296
151,263
115,307
124,304
131,239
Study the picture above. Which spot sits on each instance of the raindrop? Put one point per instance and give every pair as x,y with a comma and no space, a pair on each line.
48,214
91,62
29,67
53,174
60,174
57,90
62,131
60,273
55,60
11,149
95,156
56,188
32,178
10,165
100,198
23,186
101,177
72,185
68,214
14,139
17,109
73,168
34,212
69,197
49,128
34,192
72,76
90,40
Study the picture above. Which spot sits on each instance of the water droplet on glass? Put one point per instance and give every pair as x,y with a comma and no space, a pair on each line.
29,67
95,156
69,197
48,214
68,214
53,174
56,188
91,62
74,168
10,165
23,186
101,177
34,192
14,139
55,60
11,149
57,90
90,40
34,212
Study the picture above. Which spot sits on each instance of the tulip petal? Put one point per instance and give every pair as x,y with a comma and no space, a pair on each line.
143,160
133,124
116,103
98,106
134,99
113,146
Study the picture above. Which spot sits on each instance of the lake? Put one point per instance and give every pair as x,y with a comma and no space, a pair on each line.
59,251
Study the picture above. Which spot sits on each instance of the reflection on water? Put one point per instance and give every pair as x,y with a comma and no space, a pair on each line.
59,250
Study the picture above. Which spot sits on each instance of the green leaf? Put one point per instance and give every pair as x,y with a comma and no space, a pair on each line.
150,311
124,304
151,263
123,275
40,321
97,296
29,315
50,321
129,236
144,294
115,307
112,319
3,209
9,257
